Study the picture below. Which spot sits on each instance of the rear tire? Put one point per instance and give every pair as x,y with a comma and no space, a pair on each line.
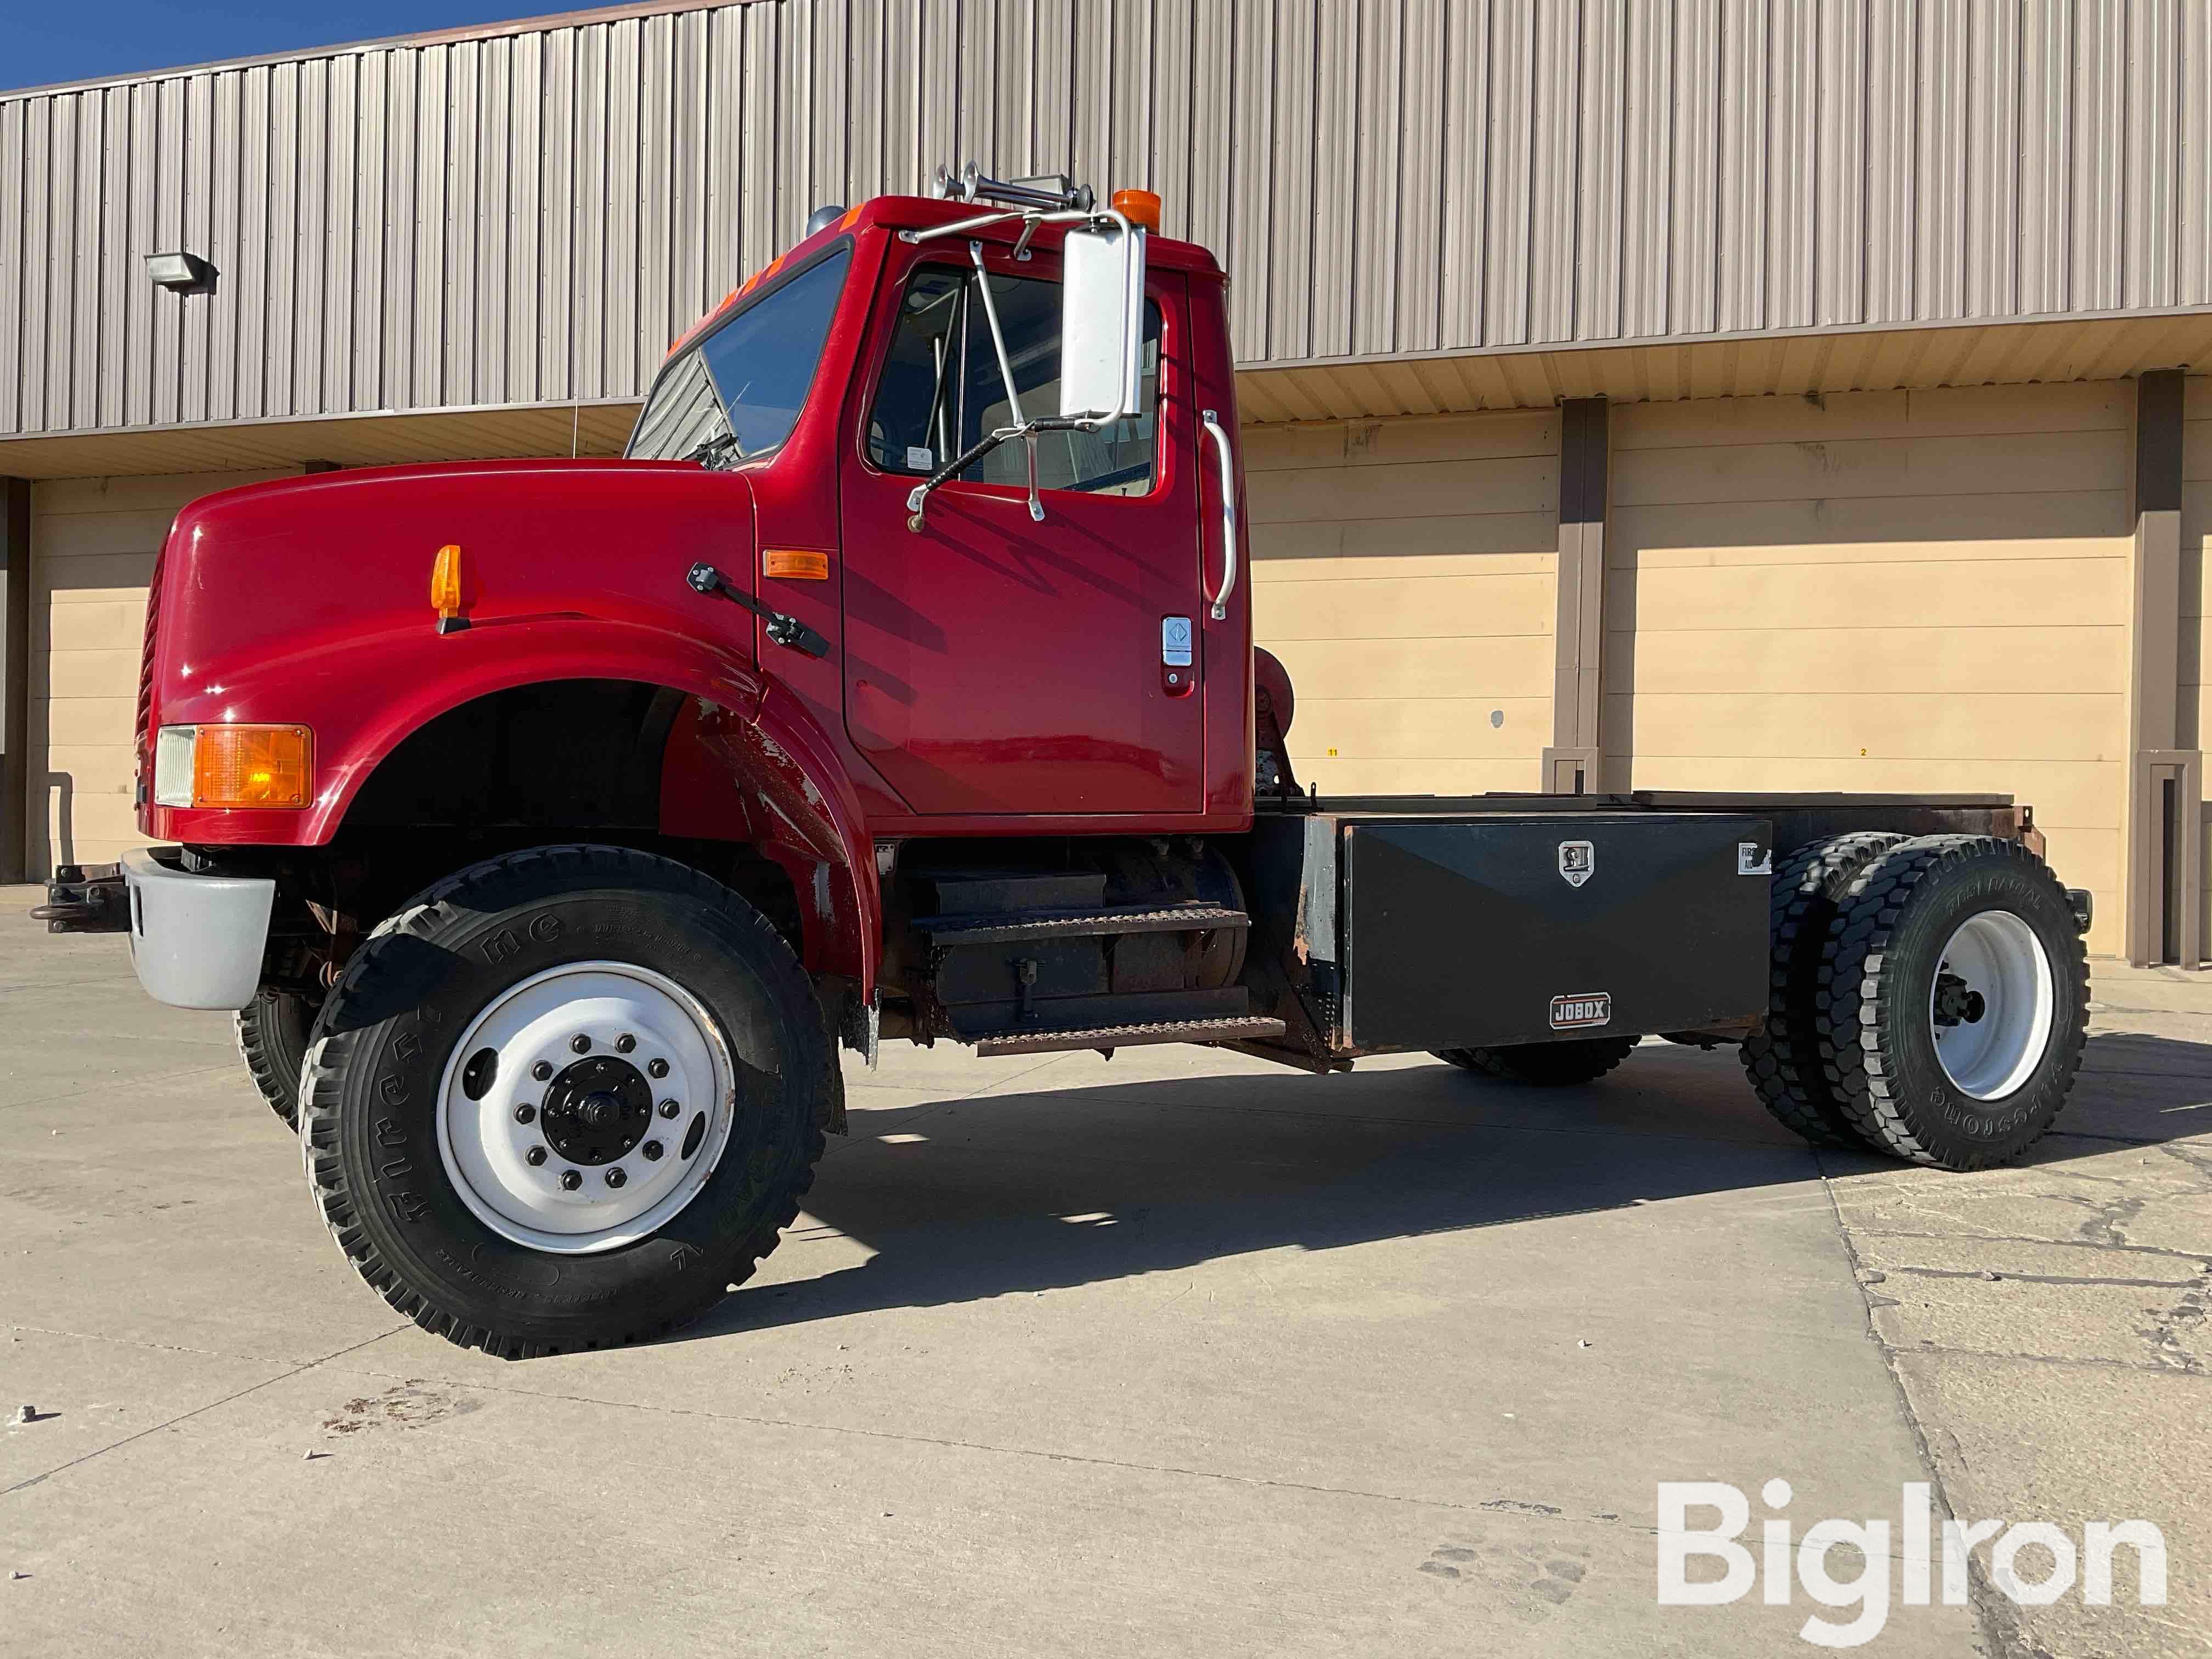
272,1041
1955,1002
1546,1065
1782,1057
448,1100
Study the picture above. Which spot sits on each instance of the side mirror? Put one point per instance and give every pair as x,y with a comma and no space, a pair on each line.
1101,324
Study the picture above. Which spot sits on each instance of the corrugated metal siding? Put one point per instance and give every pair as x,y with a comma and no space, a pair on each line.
528,216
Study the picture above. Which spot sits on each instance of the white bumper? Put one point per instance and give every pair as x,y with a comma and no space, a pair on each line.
196,941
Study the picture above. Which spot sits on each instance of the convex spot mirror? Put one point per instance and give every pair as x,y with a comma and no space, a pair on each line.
1102,323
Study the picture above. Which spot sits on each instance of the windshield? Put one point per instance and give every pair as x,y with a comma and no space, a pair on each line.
738,394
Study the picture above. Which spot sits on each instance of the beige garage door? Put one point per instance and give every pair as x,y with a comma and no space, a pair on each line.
1402,570
93,543
1919,591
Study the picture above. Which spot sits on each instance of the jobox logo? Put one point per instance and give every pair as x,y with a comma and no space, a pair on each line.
1581,1008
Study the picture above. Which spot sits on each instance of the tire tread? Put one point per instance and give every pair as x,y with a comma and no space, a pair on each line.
277,1071
1782,1057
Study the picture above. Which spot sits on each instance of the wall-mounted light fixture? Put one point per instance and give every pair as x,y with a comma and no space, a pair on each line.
180,273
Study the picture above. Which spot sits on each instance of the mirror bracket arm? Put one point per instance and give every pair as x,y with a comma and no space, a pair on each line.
918,498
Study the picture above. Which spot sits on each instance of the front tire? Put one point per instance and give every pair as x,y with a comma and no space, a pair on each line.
1954,1001
566,1099
1544,1064
272,1040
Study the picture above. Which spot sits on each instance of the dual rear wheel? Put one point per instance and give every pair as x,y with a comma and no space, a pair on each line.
1929,998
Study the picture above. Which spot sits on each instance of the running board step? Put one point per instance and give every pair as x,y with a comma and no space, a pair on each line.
1241,1028
1022,926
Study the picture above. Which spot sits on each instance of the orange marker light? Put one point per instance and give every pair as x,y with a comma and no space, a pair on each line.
252,766
799,564
446,588
1141,208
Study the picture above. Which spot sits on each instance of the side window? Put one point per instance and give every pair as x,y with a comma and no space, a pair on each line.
942,392
747,380
683,412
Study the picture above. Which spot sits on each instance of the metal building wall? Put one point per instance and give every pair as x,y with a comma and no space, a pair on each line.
528,216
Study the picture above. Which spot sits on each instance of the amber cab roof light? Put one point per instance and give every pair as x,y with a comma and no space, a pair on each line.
1140,207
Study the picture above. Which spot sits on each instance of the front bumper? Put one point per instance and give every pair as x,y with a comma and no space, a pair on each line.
196,941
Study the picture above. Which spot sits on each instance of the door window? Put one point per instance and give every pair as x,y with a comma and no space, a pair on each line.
942,392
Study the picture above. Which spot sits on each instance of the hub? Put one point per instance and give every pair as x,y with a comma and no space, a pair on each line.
597,1109
1956,1002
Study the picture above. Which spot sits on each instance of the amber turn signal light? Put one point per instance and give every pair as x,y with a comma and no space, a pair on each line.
1141,208
446,589
802,564
252,766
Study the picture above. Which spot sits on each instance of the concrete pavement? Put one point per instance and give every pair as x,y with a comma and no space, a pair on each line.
1176,1353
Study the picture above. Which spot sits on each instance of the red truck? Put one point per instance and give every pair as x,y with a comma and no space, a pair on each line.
551,824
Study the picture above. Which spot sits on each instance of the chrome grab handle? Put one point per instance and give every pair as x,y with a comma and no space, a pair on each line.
1218,603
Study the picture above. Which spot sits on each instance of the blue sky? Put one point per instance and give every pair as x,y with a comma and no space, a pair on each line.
68,41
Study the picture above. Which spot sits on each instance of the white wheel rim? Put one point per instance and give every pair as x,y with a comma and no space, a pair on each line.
1995,957
486,1141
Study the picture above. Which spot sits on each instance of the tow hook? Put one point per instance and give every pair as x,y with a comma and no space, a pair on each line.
86,898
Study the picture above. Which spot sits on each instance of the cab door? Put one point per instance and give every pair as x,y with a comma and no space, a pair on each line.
997,665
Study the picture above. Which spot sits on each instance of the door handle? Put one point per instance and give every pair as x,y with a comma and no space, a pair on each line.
1219,602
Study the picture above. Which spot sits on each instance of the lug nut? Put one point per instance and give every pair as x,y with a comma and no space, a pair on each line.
669,1108
616,1177
624,1043
524,1112
542,1071
652,1150
656,1068
535,1155
579,1044
570,1181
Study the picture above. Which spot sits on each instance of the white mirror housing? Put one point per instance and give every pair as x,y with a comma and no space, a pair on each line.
1102,322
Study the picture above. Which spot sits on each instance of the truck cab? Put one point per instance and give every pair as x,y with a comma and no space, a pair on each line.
550,825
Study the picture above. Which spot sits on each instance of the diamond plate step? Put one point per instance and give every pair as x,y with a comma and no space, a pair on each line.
1130,1036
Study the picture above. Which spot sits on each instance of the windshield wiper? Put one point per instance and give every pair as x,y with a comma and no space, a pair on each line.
712,453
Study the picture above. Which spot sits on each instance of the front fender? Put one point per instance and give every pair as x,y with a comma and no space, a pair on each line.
773,778
777,774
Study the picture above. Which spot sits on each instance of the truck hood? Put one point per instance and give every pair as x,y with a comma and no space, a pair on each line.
276,584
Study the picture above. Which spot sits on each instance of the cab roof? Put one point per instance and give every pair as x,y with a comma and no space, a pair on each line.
896,213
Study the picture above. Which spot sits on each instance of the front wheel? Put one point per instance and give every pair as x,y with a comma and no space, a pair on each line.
1547,1065
566,1099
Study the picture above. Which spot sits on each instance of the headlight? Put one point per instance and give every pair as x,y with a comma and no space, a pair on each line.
233,766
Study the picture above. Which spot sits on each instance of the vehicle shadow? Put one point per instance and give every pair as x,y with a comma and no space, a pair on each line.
1051,1189
2138,1087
